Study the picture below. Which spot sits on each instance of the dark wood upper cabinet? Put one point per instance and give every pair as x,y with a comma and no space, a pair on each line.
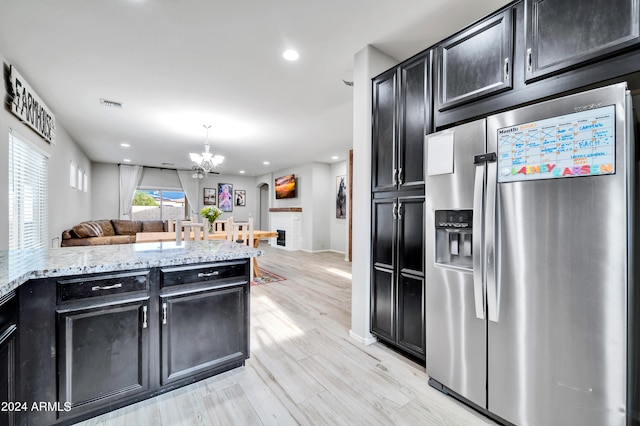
561,34
400,121
384,132
476,62
412,121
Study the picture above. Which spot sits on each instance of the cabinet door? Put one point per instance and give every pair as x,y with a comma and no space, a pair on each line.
411,252
410,212
8,338
411,319
412,121
383,167
564,33
477,62
203,331
384,221
103,354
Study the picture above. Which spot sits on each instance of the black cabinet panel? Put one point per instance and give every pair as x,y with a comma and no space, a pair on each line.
477,62
8,372
411,324
384,132
383,303
384,212
413,121
103,354
202,331
564,33
411,235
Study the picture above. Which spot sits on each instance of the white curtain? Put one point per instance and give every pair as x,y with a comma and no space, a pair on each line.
129,181
190,187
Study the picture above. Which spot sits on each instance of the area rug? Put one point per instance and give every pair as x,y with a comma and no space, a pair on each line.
266,278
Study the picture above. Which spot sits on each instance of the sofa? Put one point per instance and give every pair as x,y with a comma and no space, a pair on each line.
109,231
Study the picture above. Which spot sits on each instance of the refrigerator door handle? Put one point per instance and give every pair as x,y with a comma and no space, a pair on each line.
477,240
493,289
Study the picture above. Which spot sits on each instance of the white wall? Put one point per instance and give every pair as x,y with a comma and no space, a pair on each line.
322,198
105,198
67,206
368,63
338,227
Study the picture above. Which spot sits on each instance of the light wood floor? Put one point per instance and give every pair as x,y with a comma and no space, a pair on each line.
304,368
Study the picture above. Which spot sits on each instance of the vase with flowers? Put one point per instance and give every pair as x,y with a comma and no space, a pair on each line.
211,213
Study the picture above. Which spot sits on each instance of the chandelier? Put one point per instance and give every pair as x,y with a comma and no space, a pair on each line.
204,162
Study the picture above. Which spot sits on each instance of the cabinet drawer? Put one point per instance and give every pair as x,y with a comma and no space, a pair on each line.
202,273
103,285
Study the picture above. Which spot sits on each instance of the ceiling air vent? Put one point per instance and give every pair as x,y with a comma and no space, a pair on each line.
112,104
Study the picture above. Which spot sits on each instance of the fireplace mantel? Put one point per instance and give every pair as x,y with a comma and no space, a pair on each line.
285,209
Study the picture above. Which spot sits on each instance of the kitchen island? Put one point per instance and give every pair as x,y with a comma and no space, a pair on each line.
106,326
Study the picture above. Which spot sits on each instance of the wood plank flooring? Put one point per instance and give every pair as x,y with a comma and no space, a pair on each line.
304,368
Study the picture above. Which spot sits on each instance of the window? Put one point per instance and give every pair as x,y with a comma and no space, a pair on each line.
159,204
27,195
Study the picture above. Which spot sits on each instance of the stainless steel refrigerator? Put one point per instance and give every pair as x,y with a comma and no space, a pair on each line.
530,255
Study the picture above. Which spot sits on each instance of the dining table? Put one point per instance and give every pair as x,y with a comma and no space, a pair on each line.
152,237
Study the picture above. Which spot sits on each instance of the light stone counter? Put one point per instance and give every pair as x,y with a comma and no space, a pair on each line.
19,266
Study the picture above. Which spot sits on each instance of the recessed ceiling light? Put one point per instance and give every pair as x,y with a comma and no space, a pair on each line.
241,172
126,160
125,145
335,157
112,104
266,163
291,55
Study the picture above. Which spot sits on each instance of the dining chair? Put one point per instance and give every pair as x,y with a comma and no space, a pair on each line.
240,232
188,230
220,225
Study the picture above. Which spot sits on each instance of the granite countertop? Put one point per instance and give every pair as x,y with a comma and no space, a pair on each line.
19,266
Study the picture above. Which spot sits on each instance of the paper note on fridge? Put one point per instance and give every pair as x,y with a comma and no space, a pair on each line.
440,153
577,144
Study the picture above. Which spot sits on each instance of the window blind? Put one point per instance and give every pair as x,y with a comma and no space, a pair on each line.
27,195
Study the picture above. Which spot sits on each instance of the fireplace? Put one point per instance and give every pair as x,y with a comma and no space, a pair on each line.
281,240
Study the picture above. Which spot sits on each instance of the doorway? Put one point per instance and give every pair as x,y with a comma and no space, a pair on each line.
263,222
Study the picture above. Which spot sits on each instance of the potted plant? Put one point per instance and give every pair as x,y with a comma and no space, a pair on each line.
211,213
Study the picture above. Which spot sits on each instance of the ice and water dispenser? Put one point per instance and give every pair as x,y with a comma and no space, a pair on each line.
454,238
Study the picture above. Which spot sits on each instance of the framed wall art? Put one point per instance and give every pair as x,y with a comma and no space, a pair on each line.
225,192
341,197
240,197
209,196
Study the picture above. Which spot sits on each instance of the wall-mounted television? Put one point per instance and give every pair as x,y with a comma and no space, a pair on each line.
286,187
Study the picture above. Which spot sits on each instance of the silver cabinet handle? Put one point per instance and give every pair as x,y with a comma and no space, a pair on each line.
399,211
395,176
506,69
400,176
106,287
144,316
164,313
395,210
210,274
477,238
529,64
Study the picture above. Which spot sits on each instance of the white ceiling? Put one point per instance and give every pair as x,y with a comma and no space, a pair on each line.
177,65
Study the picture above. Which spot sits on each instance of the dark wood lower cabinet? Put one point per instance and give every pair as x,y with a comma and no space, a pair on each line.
397,281
8,350
202,331
103,355
94,343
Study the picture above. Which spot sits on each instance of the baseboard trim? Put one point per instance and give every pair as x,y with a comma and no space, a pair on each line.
364,340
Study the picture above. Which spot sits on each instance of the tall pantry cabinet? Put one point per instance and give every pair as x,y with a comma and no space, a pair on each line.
401,118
